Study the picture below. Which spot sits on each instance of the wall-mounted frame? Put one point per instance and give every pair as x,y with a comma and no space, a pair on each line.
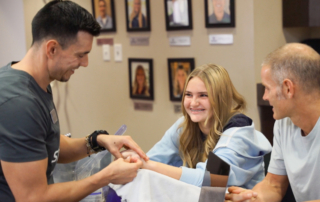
178,14
137,15
103,11
141,78
220,13
179,69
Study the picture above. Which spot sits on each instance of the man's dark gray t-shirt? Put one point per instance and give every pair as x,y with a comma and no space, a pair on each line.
29,125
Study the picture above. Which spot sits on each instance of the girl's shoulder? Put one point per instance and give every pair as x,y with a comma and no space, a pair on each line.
238,120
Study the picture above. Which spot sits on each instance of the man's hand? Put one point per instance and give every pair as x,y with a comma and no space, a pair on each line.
122,171
237,194
114,143
272,188
129,153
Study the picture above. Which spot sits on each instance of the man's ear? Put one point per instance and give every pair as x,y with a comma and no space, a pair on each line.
52,48
288,88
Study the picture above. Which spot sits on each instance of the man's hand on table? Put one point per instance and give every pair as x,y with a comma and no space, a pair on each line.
237,194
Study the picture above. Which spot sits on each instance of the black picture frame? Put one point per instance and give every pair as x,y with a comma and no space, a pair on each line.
134,23
178,14
228,19
109,25
176,68
141,66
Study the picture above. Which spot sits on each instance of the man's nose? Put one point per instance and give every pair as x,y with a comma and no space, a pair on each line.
84,61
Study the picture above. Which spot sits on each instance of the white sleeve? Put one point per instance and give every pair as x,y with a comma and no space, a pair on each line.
276,165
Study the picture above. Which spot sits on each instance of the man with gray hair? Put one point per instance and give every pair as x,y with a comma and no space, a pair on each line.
291,76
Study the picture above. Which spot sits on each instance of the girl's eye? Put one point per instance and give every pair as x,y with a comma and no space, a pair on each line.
187,94
204,95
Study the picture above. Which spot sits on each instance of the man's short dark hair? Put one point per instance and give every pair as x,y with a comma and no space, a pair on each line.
62,20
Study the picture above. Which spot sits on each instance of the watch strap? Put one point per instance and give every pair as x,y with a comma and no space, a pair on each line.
94,144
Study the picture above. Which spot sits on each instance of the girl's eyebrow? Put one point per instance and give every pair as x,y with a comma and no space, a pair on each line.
204,92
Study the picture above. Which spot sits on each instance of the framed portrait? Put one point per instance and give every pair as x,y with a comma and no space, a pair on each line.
104,13
179,69
137,15
178,14
140,78
220,13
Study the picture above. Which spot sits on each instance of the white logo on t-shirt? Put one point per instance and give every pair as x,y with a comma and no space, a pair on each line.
55,156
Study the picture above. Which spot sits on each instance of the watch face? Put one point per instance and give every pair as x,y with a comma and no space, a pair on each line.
101,132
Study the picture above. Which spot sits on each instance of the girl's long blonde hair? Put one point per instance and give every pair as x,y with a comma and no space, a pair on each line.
225,102
133,15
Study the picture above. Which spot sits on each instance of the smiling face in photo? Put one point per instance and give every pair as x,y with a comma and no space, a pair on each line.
218,6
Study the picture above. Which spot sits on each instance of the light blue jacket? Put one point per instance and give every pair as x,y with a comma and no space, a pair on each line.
241,147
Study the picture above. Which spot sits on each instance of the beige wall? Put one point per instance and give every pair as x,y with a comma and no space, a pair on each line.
97,97
269,33
12,34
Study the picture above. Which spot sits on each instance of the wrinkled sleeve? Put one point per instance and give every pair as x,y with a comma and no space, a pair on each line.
243,148
277,165
167,149
242,168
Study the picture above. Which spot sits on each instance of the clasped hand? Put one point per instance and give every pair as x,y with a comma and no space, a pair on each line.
114,143
237,194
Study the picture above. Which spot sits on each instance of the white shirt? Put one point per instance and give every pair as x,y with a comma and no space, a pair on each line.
297,157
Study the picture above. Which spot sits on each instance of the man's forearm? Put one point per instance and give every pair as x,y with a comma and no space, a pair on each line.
272,188
268,192
72,149
72,191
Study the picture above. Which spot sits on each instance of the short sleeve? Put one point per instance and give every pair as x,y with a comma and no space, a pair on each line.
277,165
22,130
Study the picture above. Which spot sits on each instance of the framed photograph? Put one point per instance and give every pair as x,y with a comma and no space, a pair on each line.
140,78
178,14
219,13
137,15
103,11
179,69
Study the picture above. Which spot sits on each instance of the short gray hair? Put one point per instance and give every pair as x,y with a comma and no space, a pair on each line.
297,62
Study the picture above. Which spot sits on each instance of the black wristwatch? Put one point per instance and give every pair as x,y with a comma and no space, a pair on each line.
93,140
